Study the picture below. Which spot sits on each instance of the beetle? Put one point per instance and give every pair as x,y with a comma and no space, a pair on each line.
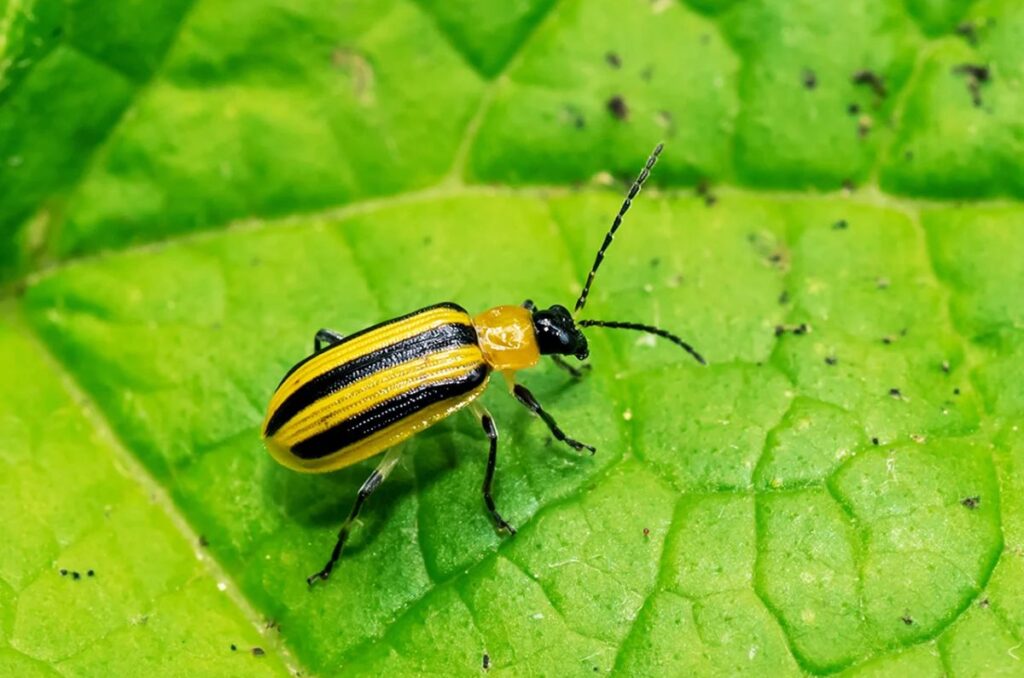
360,395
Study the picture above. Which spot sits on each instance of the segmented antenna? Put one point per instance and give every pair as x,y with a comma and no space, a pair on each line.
633,190
649,329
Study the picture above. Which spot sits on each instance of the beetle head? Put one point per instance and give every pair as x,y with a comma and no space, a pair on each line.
557,333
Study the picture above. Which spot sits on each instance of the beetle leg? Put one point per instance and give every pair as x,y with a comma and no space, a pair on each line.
524,396
529,305
325,338
576,372
492,459
371,484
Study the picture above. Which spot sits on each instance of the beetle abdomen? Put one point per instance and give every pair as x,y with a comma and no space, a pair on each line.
374,389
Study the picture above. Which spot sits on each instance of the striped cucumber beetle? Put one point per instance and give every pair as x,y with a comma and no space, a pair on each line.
359,395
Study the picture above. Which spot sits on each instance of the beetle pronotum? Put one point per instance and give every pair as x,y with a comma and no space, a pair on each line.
360,395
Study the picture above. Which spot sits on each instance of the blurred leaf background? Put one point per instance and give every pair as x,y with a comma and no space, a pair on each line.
189,189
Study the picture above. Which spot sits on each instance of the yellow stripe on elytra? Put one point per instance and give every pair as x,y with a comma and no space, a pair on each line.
369,342
374,389
377,442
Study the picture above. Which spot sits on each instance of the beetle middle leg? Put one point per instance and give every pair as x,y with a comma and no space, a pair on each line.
369,485
524,396
326,338
487,421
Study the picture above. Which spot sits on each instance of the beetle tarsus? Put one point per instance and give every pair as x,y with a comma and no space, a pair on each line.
322,575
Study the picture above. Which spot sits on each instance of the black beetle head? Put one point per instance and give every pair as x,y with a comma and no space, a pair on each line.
557,333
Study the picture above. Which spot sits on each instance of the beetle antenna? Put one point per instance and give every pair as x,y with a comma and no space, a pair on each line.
649,329
633,190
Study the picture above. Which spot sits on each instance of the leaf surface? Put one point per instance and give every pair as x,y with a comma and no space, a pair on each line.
835,224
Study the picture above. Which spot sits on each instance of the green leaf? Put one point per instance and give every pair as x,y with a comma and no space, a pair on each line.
188,191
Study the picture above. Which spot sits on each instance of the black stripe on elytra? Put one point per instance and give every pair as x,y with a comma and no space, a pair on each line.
392,321
386,413
435,340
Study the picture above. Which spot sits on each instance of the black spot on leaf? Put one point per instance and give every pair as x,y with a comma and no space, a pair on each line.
618,108
870,79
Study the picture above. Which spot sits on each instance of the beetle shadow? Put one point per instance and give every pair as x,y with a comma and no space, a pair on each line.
325,499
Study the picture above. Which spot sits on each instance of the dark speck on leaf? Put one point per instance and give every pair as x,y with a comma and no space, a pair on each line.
203,542
907,619
852,109
849,186
63,572
784,297
487,661
75,575
831,360
258,652
809,79
840,225
802,328
234,647
647,74
971,502
874,441
647,532
983,603
977,75
871,79
704,190
91,573
956,391
945,366
613,60
968,31
895,393
617,107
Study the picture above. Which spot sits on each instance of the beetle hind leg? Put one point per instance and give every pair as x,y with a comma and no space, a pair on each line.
492,459
369,485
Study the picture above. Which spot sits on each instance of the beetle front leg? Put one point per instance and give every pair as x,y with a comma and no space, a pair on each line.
524,396
575,372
